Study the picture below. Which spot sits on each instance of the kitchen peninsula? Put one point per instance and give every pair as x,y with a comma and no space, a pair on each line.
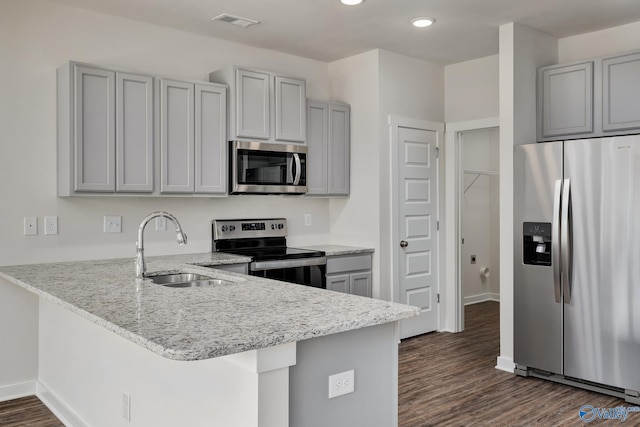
250,352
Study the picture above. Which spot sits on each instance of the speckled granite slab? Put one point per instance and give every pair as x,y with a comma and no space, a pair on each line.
335,250
199,323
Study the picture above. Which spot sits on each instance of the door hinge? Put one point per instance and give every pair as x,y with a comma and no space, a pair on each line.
463,240
438,298
437,225
437,152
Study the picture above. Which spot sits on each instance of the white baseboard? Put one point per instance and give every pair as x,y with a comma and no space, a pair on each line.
475,299
16,391
505,364
59,409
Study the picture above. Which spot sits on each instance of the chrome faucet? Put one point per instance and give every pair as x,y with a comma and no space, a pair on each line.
141,267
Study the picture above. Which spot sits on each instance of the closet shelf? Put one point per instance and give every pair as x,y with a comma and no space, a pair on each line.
478,174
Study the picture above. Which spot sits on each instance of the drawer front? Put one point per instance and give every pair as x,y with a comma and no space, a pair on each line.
347,263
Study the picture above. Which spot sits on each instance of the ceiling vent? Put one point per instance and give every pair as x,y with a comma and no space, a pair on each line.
235,20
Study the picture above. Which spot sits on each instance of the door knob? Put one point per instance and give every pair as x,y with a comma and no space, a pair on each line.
404,243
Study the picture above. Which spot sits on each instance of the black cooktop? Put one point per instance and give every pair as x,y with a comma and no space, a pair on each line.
275,253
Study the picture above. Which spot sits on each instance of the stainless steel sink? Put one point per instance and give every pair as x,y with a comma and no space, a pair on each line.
185,280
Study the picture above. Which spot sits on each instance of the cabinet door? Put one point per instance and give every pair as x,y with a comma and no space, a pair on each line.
317,140
567,99
134,133
339,148
252,104
210,139
94,133
360,284
290,112
621,93
339,283
177,140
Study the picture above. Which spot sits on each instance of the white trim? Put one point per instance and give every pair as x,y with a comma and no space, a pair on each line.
394,123
59,409
453,299
475,299
16,391
505,364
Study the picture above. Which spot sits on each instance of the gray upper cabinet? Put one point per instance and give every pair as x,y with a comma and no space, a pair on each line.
566,99
177,142
193,137
264,106
252,106
290,102
328,142
211,139
134,132
124,133
621,93
105,131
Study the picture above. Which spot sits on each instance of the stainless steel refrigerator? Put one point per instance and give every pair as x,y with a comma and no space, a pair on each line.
577,263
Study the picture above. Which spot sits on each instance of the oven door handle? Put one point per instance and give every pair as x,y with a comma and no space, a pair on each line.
286,263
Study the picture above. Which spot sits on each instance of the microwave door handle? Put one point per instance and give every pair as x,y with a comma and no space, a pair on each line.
298,168
555,240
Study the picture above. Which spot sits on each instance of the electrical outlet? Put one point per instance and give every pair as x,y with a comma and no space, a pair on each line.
50,225
30,225
342,383
113,224
307,219
126,406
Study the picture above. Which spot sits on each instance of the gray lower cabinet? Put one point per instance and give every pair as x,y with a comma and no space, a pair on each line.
621,93
105,130
328,143
263,105
350,274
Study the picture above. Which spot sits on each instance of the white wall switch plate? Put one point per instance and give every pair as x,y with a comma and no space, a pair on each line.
112,224
126,406
30,225
342,383
307,219
161,223
50,225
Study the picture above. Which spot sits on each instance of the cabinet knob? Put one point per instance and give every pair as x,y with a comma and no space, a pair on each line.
404,243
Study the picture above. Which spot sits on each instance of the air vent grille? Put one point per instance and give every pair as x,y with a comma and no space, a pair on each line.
235,20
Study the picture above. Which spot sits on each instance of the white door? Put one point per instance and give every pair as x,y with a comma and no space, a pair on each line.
416,237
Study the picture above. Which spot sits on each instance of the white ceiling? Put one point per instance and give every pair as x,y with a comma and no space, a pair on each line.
326,30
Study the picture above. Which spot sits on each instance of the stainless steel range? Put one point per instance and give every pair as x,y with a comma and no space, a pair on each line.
265,241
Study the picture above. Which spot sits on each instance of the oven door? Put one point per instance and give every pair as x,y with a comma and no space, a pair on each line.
261,168
303,271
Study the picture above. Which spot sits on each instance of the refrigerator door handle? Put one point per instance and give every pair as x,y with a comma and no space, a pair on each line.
566,240
555,240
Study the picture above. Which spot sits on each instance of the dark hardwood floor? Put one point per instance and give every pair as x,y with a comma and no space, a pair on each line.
444,380
27,411
450,380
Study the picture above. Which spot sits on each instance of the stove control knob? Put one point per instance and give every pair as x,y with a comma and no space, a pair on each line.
232,228
273,226
224,228
280,226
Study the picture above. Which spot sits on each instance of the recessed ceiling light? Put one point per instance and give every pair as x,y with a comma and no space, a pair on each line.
351,2
422,22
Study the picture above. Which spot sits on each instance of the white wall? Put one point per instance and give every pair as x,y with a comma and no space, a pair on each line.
522,51
599,43
378,84
35,38
471,90
480,216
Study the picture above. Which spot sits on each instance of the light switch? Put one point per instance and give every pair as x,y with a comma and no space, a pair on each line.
50,225
112,224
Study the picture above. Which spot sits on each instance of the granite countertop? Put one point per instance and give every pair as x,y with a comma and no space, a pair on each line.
335,250
199,323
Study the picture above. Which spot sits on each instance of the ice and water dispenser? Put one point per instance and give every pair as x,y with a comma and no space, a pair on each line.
537,243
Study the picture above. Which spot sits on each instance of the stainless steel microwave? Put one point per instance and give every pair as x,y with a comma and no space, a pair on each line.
263,168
